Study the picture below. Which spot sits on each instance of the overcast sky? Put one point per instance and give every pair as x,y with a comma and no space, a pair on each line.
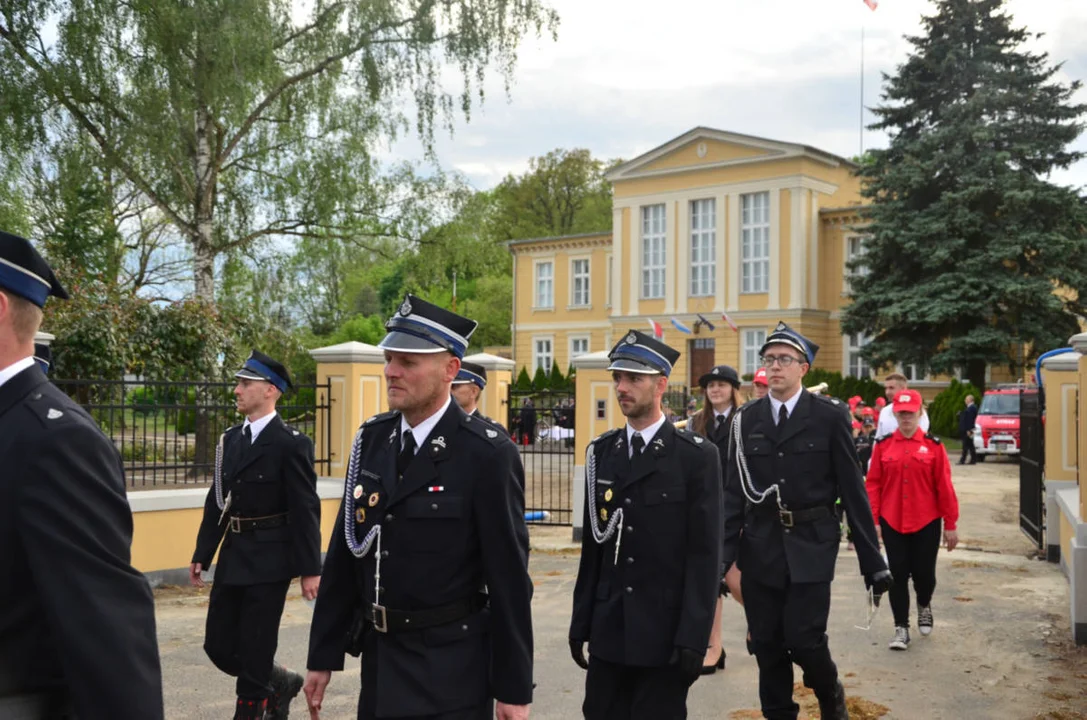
627,75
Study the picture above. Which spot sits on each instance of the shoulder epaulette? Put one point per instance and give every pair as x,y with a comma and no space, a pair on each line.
690,436
381,417
828,400
933,438
604,436
487,429
752,401
881,439
291,430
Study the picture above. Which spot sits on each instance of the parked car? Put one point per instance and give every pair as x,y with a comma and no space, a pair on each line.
997,428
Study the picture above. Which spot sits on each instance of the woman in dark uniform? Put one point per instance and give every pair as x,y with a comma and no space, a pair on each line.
721,393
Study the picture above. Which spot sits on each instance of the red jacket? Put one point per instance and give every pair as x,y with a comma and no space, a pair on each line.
909,483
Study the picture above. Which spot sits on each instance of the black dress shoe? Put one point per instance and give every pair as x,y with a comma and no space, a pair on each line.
833,707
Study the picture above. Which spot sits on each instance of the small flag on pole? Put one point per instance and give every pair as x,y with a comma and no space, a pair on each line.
658,331
681,327
726,318
706,322
872,4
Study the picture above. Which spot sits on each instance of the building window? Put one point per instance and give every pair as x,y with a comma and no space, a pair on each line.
703,242
858,366
653,240
579,283
753,342
854,250
912,372
545,285
755,242
578,346
544,355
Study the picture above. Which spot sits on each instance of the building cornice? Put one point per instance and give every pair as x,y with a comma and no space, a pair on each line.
781,182
600,239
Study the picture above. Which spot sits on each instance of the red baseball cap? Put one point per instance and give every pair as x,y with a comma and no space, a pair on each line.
907,401
881,401
760,377
854,401
868,412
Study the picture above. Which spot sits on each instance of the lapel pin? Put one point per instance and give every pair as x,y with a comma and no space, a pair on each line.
619,441
360,515
604,514
374,499
436,488
357,493
607,495
392,436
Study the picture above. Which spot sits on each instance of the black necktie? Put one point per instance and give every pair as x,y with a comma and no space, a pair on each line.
783,415
637,444
407,454
247,433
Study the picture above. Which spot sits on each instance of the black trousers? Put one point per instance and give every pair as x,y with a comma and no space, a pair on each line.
911,555
968,447
624,692
789,625
482,712
242,633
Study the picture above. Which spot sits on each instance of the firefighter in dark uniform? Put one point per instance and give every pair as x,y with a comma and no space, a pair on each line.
426,574
651,558
793,456
264,501
77,622
469,384
43,356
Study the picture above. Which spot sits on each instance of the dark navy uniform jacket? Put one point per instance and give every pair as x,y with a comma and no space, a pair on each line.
814,462
661,593
273,476
453,526
75,617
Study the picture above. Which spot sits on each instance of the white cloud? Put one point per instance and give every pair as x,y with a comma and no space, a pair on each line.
624,77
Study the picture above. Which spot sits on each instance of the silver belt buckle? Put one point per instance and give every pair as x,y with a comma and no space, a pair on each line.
235,524
786,517
381,622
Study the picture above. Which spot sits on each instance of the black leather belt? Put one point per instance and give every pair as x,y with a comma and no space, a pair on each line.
38,706
240,524
385,620
790,518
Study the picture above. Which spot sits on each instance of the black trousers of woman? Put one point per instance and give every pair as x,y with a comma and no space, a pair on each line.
911,555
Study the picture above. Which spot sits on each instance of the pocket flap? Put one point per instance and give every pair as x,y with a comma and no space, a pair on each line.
444,506
812,445
671,494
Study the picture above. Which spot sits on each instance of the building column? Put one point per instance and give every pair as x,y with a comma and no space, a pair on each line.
617,275
798,248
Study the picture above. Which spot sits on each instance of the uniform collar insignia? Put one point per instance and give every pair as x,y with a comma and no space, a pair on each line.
392,435
619,441
439,441
658,443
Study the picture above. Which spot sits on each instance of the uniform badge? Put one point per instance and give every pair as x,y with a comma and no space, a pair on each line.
697,439
357,492
658,443
631,338
405,307
374,499
392,435
439,441
607,495
492,434
53,414
715,371
604,514
360,515
922,449
295,432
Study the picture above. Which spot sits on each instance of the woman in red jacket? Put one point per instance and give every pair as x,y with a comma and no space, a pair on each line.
909,487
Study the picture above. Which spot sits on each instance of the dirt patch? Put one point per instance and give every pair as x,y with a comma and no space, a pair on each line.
859,708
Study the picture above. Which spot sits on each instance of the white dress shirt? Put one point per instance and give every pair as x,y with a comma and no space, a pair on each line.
14,369
259,424
646,434
423,429
790,404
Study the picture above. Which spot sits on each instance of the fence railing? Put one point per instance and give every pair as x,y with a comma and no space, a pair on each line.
166,431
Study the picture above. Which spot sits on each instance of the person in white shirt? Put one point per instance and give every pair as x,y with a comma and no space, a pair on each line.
892,384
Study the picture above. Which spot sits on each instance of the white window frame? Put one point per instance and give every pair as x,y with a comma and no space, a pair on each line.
749,354
703,242
755,243
849,350
536,354
849,254
586,300
570,346
910,371
654,249
536,285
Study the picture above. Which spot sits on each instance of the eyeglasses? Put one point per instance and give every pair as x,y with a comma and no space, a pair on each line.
782,360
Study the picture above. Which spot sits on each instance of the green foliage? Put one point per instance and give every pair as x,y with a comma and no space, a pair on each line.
967,239
539,380
142,400
943,411
555,380
844,388
524,382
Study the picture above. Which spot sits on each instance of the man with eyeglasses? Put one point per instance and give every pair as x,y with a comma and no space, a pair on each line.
793,458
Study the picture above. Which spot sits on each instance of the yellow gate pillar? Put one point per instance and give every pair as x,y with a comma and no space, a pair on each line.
493,401
355,373
1060,377
596,411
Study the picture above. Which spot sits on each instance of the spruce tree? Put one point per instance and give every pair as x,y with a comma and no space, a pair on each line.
970,251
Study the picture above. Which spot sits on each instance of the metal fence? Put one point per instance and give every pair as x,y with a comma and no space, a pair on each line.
166,431
542,425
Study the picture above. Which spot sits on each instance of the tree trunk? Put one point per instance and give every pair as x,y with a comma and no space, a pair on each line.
204,276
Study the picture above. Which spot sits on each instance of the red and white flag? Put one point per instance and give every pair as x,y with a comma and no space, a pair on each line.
731,324
872,4
658,331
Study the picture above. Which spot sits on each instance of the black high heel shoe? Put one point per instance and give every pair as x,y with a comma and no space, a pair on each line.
719,665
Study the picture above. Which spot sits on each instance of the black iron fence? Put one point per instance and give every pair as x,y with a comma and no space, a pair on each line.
542,425
166,431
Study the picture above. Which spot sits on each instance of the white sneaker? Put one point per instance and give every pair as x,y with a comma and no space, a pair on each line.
901,639
924,620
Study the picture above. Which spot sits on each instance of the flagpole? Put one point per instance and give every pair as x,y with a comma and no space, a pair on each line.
860,128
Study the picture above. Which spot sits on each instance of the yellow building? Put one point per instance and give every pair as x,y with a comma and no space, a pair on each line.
711,222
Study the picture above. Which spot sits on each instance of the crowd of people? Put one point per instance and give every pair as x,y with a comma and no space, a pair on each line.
425,577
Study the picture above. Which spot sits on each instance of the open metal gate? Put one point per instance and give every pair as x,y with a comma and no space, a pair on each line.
1032,465
541,422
